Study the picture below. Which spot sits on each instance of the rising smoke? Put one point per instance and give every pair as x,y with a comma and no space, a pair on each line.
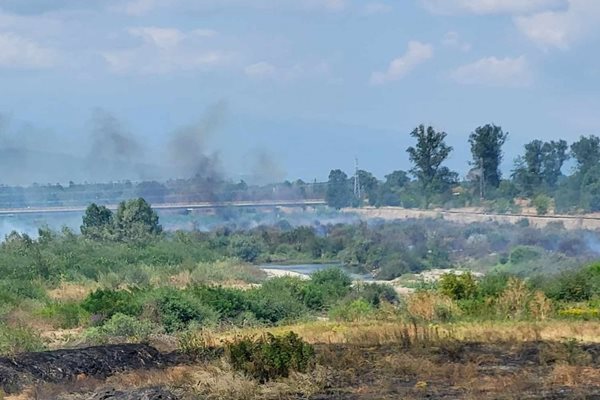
113,149
109,151
187,147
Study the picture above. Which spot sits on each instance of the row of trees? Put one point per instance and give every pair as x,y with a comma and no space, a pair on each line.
537,173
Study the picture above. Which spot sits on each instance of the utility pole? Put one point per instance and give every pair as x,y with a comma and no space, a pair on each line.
357,188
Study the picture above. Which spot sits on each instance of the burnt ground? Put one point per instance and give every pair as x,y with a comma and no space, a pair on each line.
441,370
66,365
454,370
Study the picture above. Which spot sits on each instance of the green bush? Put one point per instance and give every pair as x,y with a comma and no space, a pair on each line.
523,254
15,340
270,357
542,204
374,293
352,311
458,287
106,303
122,326
276,306
65,315
229,303
179,309
13,291
325,288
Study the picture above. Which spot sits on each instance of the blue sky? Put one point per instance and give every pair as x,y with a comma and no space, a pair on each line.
294,88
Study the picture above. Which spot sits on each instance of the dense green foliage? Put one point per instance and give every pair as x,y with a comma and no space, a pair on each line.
270,357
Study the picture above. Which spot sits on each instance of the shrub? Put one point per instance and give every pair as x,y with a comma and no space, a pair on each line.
279,299
65,315
513,301
194,344
228,303
540,306
352,311
458,287
542,204
179,309
107,303
492,285
571,286
246,248
375,294
122,326
325,288
430,306
270,357
522,254
15,340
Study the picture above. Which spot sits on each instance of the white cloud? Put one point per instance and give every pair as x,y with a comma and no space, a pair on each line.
513,7
261,69
161,37
164,50
560,29
492,71
266,70
453,40
416,54
19,52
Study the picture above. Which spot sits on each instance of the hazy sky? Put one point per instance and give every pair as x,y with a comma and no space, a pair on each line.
302,86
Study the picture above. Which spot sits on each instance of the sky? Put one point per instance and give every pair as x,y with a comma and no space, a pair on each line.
285,89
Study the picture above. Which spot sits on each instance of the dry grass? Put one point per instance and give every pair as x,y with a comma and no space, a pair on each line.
70,291
381,332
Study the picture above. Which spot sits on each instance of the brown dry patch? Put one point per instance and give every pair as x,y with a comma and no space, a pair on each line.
573,375
70,291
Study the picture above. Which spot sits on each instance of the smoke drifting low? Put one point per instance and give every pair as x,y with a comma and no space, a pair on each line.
108,150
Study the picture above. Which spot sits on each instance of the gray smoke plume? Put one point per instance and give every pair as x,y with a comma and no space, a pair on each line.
114,151
187,148
264,168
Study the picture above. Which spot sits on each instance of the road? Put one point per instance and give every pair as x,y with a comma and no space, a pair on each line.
172,206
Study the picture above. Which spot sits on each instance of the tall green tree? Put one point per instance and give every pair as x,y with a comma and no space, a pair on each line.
554,156
339,191
97,222
369,186
428,155
135,220
486,148
393,190
541,166
586,152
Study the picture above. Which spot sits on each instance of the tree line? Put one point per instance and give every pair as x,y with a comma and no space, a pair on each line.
537,175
